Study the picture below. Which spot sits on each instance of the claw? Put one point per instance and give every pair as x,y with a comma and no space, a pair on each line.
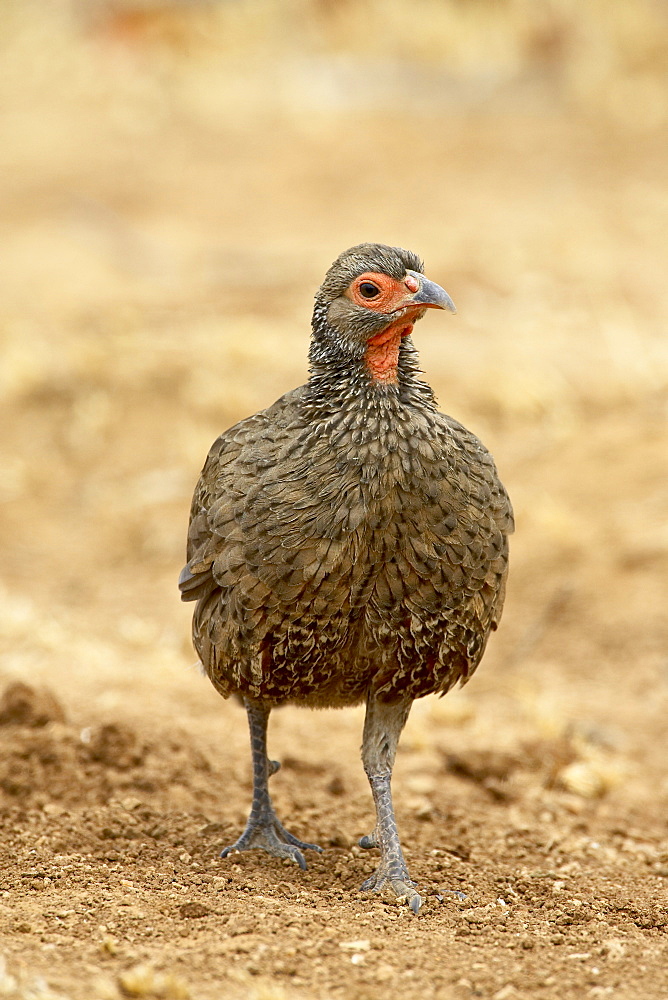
394,874
457,893
277,851
402,887
271,836
299,859
415,903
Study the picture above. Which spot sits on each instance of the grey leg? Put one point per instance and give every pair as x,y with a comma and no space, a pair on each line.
382,728
263,829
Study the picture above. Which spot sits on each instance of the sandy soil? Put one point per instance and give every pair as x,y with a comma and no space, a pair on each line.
160,255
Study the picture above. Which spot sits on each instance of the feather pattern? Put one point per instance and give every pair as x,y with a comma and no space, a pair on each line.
325,568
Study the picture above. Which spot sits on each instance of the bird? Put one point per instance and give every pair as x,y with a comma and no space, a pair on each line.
348,544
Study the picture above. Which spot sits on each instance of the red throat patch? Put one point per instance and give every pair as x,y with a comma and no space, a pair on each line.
382,353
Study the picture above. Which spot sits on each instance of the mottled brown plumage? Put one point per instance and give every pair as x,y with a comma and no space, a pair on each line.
348,543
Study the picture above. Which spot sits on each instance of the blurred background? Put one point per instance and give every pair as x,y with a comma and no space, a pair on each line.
175,178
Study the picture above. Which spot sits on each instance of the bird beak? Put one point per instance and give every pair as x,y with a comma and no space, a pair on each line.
430,295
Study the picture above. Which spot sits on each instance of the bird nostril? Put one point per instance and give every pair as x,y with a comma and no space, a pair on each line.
411,283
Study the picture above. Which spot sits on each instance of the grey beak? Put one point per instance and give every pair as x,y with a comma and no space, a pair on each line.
431,295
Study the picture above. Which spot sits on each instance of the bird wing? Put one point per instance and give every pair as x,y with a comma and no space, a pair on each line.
260,521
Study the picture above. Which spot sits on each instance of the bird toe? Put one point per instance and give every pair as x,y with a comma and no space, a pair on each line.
398,880
405,890
271,836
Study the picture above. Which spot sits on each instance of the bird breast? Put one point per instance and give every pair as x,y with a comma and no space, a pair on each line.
352,520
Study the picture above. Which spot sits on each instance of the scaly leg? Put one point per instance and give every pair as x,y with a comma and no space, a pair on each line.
263,829
382,728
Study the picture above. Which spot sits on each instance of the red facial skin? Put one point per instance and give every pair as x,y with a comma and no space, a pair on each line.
382,353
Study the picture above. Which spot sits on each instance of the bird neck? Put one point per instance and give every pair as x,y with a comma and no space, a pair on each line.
342,377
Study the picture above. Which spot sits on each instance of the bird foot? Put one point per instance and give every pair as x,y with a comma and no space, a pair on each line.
269,835
393,874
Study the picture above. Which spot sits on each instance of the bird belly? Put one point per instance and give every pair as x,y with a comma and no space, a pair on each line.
332,647
328,589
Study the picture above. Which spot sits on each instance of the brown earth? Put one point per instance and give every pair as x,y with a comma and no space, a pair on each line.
167,212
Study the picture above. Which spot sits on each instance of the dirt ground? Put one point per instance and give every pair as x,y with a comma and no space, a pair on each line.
166,217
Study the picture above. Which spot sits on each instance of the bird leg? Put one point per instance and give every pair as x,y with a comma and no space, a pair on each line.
382,728
263,830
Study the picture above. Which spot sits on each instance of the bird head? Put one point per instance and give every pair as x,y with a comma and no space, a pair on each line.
370,299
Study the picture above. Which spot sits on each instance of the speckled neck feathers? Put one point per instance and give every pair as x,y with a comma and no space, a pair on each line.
340,380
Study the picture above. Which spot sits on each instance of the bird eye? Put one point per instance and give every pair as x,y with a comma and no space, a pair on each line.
368,290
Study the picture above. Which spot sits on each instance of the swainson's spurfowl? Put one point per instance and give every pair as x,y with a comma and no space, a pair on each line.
349,543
